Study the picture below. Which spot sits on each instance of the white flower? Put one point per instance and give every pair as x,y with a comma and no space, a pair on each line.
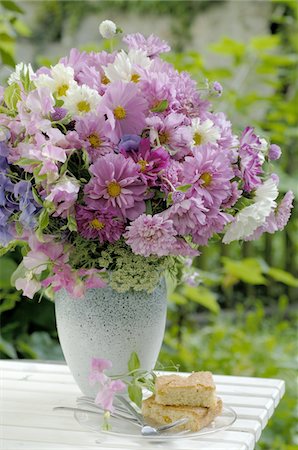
204,132
251,217
125,66
21,70
107,29
61,79
80,100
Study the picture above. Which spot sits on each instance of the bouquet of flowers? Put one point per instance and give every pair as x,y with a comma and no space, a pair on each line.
115,169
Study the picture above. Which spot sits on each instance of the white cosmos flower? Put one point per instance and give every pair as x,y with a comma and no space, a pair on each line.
61,79
251,217
80,100
21,69
204,132
107,29
125,66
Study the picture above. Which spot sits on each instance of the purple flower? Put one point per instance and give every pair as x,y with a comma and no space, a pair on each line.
98,223
151,161
153,45
250,167
274,152
116,184
129,142
58,114
217,88
64,194
125,109
215,223
151,235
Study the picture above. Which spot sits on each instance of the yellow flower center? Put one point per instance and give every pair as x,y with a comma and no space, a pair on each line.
207,178
105,80
94,140
96,224
83,106
164,138
119,113
197,138
114,189
143,164
135,77
61,90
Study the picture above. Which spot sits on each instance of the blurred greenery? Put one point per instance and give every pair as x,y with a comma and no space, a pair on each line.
241,320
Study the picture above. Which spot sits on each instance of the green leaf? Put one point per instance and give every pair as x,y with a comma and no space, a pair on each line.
283,276
21,28
20,272
202,296
11,6
12,95
248,270
177,298
184,188
19,228
8,349
134,362
7,58
7,267
161,106
43,219
148,207
135,394
72,223
36,196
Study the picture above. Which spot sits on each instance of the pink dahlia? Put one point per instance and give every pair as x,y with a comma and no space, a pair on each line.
151,235
188,216
209,172
116,184
152,45
92,131
151,162
215,223
98,223
125,108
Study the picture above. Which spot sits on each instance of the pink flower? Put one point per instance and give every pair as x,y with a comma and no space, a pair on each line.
116,184
65,278
29,286
99,223
152,162
215,223
210,172
64,195
125,109
274,152
105,396
153,45
151,235
98,366
188,216
92,130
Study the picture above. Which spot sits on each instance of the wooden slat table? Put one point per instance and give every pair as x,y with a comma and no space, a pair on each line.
30,390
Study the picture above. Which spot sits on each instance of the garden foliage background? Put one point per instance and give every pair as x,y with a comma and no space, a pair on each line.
242,319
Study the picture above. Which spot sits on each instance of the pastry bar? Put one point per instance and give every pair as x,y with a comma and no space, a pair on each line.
198,389
199,417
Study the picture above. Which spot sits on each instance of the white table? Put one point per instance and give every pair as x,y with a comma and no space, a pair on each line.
30,390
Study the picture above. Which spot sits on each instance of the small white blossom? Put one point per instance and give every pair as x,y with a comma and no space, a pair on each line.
126,66
107,29
60,80
204,132
81,100
20,70
253,216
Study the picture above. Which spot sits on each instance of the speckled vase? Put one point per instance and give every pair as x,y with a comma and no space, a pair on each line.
112,325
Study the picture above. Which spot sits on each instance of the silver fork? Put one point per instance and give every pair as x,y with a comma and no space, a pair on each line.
146,429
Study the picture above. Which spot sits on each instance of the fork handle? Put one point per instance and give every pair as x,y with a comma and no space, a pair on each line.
133,411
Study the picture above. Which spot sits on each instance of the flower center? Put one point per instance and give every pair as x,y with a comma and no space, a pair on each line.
197,138
83,106
119,113
164,138
143,164
94,140
135,77
105,80
61,90
207,178
96,224
114,189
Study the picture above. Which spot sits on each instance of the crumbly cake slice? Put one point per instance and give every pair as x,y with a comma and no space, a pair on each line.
198,389
198,416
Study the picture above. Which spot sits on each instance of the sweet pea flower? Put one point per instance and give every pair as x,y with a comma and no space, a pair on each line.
64,195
